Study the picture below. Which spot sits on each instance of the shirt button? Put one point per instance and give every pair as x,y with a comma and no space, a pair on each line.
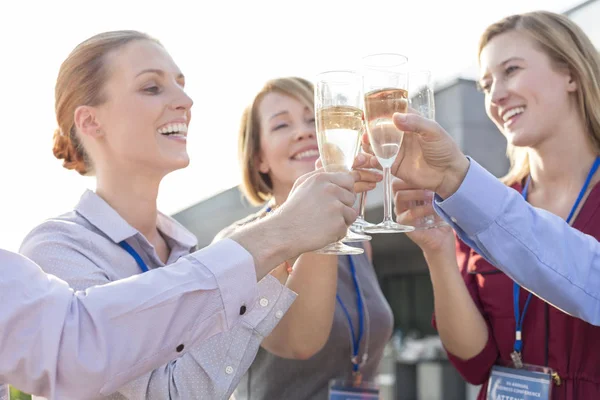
229,370
242,310
264,302
279,314
180,348
453,220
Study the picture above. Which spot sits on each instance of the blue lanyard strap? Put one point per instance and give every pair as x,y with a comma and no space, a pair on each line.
584,188
518,346
359,306
519,321
135,255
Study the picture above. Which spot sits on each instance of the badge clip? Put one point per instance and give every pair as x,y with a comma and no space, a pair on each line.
517,359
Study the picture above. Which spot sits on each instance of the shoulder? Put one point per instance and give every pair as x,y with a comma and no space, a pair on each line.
61,245
64,228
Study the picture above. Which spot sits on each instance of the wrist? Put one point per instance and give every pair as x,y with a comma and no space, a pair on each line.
267,240
439,256
453,177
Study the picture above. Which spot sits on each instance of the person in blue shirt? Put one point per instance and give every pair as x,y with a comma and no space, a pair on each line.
534,247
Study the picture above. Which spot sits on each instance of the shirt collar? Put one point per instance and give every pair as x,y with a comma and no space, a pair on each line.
100,214
177,232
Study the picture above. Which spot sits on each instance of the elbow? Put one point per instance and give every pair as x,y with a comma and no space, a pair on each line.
476,378
307,350
475,370
302,355
307,347
475,374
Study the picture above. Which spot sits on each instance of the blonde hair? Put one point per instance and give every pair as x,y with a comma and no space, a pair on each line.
568,47
80,81
256,186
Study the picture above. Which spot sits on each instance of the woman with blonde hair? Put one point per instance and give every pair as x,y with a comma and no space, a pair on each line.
540,75
277,144
123,115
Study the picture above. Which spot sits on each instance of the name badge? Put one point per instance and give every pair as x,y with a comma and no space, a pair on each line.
340,389
518,384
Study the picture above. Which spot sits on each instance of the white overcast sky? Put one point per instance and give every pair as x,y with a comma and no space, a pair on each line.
226,49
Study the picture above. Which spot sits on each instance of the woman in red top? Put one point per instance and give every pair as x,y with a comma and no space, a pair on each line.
540,74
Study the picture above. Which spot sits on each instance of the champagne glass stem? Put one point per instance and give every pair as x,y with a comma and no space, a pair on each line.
362,201
360,224
387,195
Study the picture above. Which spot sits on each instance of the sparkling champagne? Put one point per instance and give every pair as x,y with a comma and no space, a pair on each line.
380,106
338,132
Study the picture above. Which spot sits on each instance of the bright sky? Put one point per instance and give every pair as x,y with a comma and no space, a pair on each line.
226,49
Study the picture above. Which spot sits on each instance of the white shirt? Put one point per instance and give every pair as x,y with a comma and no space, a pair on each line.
82,248
63,344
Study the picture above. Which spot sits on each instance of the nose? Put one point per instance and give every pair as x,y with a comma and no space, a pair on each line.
498,93
306,131
181,100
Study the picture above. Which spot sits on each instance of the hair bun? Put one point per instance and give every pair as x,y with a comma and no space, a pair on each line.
64,149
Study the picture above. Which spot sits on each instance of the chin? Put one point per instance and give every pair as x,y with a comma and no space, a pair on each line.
305,170
522,140
177,164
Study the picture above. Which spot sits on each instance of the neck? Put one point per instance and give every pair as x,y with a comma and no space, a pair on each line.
134,199
280,196
562,164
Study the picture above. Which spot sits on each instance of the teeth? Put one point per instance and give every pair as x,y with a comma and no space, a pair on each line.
306,154
512,112
171,128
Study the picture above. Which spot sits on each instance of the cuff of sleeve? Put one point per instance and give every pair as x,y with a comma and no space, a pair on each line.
233,269
280,300
478,201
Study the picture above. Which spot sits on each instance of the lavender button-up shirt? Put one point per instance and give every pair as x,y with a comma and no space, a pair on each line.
536,248
82,248
65,345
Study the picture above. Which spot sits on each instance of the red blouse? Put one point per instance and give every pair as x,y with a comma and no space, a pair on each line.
568,345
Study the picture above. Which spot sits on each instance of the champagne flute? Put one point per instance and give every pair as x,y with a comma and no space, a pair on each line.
420,87
339,117
385,86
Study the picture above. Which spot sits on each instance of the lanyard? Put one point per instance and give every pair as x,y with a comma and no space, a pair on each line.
518,346
359,306
135,255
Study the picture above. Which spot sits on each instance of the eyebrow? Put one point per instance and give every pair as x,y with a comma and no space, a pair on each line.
278,114
511,59
158,72
502,63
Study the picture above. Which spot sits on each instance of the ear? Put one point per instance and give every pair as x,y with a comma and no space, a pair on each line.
86,121
572,85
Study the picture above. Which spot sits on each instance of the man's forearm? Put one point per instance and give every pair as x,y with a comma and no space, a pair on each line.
269,242
536,248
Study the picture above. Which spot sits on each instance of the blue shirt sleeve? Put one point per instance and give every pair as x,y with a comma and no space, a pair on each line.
536,248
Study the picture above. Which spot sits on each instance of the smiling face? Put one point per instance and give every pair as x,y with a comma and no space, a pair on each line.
145,117
288,143
526,96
